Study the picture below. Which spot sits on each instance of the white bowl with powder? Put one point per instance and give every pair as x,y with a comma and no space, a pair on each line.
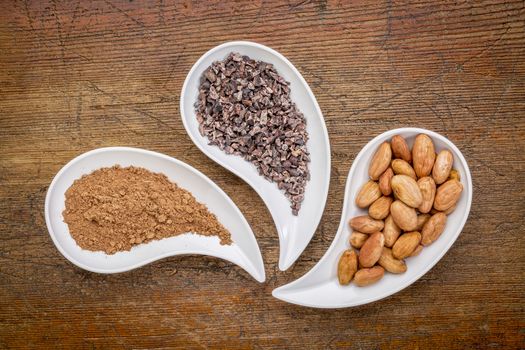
243,252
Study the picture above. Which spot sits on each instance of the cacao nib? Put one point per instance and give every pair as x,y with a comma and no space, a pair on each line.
244,108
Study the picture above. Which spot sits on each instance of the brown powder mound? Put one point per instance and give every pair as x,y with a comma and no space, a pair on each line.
113,209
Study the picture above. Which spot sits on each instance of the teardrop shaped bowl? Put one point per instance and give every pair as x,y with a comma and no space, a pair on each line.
295,232
243,252
320,288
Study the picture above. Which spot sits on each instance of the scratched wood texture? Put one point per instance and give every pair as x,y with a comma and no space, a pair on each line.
77,75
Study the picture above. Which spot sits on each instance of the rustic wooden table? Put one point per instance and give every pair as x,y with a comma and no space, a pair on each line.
77,75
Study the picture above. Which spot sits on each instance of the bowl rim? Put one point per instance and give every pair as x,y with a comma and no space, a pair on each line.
340,230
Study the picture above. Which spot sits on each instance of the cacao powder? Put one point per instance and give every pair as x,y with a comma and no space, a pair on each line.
114,209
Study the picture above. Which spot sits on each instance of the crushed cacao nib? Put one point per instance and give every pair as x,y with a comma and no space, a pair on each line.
244,108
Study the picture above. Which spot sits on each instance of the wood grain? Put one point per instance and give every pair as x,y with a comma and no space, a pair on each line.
77,75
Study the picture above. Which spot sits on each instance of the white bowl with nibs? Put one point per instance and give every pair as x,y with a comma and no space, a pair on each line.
320,288
243,252
295,232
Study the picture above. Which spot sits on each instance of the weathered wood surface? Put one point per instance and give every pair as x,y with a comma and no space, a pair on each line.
77,75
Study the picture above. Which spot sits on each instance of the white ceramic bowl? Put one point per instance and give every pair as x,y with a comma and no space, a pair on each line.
295,232
244,251
319,287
